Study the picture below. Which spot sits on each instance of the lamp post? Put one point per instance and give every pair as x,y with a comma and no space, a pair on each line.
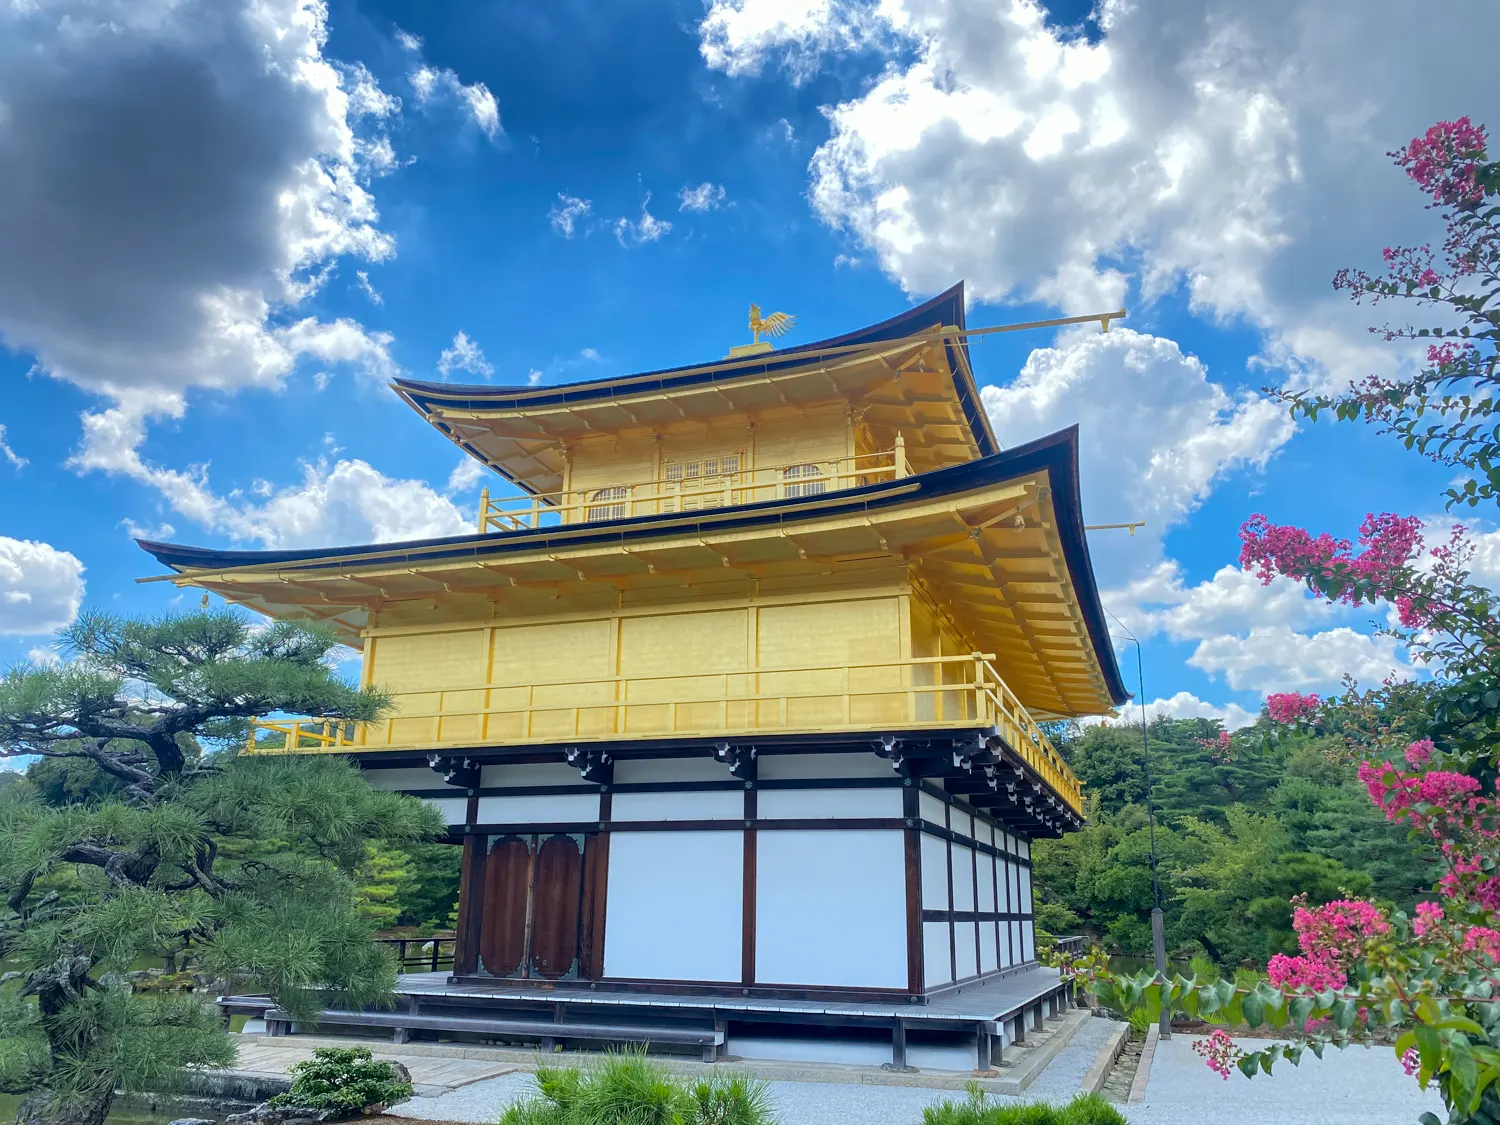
1158,926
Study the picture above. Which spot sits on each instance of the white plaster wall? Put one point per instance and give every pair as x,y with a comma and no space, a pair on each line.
406,779
937,961
965,950
673,908
1023,848
453,809
986,898
1015,942
777,767
653,770
819,804
713,805
963,877
1025,873
934,873
1007,903
988,958
529,773
961,822
983,832
930,808
831,908
558,808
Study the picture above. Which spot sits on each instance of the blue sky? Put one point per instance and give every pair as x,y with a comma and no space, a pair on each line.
226,225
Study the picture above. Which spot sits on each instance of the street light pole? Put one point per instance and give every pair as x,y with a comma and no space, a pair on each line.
1158,925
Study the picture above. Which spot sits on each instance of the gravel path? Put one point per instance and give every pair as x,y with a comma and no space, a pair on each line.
1360,1086
1355,1087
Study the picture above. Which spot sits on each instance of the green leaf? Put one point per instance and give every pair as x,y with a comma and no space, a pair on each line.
1253,1009
1429,1046
1300,1011
1249,1064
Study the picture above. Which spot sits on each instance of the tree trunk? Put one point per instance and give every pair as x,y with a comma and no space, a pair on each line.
39,1109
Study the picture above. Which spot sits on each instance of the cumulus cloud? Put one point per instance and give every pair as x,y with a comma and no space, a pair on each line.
1277,658
465,475
648,228
1232,601
464,355
1233,149
567,213
705,197
1156,433
191,173
41,587
1185,705
362,279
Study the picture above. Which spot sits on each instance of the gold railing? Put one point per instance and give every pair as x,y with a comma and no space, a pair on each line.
913,694
692,493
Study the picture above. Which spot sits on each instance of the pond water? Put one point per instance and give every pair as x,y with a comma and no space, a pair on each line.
9,1103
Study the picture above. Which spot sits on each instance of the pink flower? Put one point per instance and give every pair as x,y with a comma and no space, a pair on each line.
1429,915
1218,1051
1446,788
1444,161
1287,707
1221,746
1482,939
1387,543
1411,1062
1419,753
1310,974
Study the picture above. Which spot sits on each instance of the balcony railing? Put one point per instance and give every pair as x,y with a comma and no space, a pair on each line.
698,486
913,694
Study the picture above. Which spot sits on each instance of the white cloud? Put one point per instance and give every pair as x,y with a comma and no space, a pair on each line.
1234,149
434,86
1232,601
1276,658
41,587
193,172
464,355
1185,705
648,228
15,459
567,212
705,197
45,656
362,279
534,378
465,475
738,36
1155,432
408,41
162,532
591,354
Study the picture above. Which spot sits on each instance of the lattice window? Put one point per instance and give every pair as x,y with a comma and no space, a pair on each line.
706,482
606,504
804,480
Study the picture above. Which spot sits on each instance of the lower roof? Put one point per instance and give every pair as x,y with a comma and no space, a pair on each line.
1001,538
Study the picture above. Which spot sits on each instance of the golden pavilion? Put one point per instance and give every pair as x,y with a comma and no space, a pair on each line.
739,698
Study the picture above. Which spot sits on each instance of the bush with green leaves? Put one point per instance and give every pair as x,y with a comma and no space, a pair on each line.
343,1078
979,1109
627,1088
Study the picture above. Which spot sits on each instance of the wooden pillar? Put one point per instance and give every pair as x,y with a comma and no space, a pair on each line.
470,906
915,966
898,1044
747,891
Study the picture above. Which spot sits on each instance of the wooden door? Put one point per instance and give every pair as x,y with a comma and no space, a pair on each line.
532,912
507,886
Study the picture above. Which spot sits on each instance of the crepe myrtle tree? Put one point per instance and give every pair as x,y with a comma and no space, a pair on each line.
1428,983
179,845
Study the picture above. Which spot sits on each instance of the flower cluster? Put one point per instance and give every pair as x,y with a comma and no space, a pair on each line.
1387,543
1444,161
1219,1051
1429,915
1220,747
1419,753
1286,707
1330,936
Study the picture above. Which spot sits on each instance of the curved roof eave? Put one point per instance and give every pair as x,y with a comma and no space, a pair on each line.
1056,454
944,309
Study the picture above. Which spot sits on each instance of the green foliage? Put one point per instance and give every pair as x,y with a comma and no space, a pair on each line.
143,834
1234,840
343,1078
979,1109
627,1088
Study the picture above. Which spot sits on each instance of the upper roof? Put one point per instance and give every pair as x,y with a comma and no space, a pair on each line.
899,372
1003,535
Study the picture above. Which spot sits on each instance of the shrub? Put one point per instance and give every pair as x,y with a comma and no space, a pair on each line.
343,1078
626,1088
977,1109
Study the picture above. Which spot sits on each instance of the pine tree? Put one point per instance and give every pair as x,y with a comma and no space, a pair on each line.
146,834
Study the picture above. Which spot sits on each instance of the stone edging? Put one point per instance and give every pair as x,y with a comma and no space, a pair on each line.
1143,1068
1093,1081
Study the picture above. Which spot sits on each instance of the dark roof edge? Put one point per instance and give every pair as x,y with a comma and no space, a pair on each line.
1056,453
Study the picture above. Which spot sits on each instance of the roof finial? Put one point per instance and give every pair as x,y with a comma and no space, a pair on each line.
777,324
